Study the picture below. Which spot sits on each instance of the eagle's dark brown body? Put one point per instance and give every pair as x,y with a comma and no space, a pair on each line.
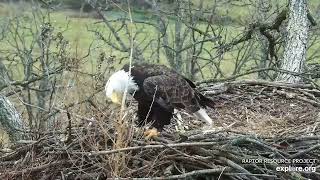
163,89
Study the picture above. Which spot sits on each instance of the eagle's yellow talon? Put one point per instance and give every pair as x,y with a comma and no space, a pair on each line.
150,133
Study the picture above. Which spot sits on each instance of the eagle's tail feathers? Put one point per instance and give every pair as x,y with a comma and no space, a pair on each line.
202,115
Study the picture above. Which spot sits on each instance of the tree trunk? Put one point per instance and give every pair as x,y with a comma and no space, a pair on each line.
10,119
295,49
4,79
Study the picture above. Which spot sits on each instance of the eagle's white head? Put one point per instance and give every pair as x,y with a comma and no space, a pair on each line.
117,84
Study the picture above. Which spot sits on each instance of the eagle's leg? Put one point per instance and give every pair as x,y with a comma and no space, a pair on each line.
151,133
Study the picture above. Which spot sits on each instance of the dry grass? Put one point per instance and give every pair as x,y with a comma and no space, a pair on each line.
265,114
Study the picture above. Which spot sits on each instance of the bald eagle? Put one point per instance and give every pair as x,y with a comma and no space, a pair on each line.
158,91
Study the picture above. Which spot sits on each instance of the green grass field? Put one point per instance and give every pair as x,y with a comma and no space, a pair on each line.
75,30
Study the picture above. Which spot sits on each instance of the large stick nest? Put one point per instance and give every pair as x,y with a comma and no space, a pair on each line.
262,129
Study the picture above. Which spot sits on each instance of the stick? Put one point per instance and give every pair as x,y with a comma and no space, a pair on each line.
304,151
193,173
140,148
262,144
238,167
36,168
267,83
258,175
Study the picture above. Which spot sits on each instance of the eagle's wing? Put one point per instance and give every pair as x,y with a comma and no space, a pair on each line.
171,91
149,70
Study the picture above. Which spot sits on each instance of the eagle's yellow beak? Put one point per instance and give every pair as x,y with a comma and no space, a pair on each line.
116,97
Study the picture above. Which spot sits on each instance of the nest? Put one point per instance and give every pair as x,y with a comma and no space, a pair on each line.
264,131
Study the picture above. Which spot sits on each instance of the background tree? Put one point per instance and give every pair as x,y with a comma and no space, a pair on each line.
10,119
294,57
